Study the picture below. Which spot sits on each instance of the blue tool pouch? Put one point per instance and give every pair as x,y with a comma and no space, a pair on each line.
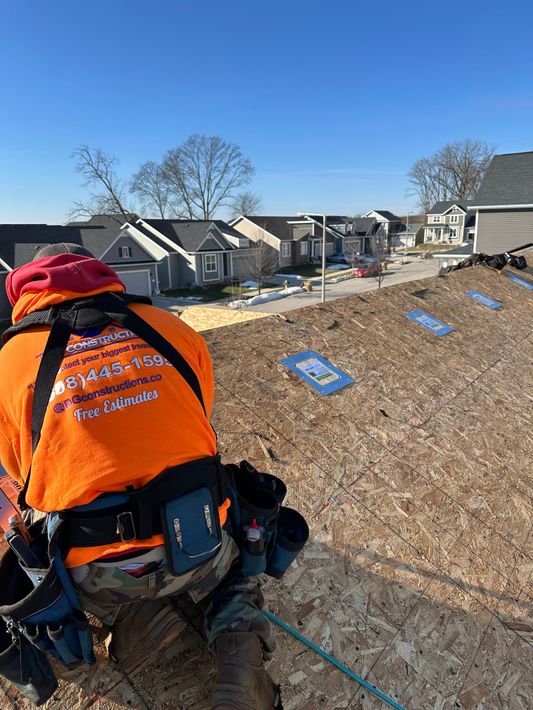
191,529
292,532
41,605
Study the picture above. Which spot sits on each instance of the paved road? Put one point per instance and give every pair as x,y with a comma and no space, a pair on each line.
397,273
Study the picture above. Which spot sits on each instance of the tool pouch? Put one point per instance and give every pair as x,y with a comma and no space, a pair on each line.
254,496
25,667
191,529
42,607
292,532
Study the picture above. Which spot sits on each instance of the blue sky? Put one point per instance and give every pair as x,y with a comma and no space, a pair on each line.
332,101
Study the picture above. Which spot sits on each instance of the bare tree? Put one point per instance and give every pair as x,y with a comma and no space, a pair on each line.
452,173
245,203
262,262
351,250
107,193
152,190
204,173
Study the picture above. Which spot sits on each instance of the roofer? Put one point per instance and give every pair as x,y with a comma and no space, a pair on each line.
114,433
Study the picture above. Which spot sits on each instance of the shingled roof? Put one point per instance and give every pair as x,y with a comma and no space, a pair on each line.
508,181
416,482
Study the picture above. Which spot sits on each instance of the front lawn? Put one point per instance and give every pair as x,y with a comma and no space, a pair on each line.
216,292
309,270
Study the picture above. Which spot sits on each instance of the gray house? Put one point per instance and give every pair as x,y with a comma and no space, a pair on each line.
449,222
504,204
295,240
150,256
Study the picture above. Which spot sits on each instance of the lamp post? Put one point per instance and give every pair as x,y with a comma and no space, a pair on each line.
306,214
406,237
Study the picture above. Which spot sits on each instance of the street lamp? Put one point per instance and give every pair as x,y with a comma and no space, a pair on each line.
307,214
406,237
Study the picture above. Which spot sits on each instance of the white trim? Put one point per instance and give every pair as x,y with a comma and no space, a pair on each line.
138,271
256,226
161,236
124,256
204,270
285,244
208,235
475,232
142,240
4,264
501,207
455,204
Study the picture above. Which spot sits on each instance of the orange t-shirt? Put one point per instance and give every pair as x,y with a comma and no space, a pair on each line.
119,414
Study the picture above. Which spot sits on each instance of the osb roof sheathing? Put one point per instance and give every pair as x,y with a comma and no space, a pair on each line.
416,482
206,318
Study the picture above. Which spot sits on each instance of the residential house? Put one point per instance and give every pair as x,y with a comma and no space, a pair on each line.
296,240
449,222
504,204
410,232
389,224
150,256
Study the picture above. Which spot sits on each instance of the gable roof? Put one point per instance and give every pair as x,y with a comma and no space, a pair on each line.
386,214
278,226
282,227
19,242
508,181
363,225
189,235
444,205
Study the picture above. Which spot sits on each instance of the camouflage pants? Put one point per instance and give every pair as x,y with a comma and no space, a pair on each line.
230,601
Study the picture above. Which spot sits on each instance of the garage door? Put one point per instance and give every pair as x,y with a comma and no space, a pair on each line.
137,282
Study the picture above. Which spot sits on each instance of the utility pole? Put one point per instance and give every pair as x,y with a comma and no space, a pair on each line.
406,237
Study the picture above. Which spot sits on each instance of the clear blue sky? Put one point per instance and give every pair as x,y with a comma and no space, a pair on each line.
332,101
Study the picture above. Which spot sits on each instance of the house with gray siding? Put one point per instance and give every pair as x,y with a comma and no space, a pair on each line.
504,204
449,222
294,240
149,256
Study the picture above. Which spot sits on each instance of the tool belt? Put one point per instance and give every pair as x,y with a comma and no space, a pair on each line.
181,503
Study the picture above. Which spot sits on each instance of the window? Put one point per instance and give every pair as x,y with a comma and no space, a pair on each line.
210,262
453,233
124,252
285,249
303,248
436,218
454,219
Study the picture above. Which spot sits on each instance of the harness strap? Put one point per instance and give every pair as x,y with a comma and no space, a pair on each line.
144,330
63,319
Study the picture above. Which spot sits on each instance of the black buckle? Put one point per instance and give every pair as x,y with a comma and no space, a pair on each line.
126,526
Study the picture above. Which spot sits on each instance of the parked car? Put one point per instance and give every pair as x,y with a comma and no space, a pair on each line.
366,259
339,259
362,270
352,259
